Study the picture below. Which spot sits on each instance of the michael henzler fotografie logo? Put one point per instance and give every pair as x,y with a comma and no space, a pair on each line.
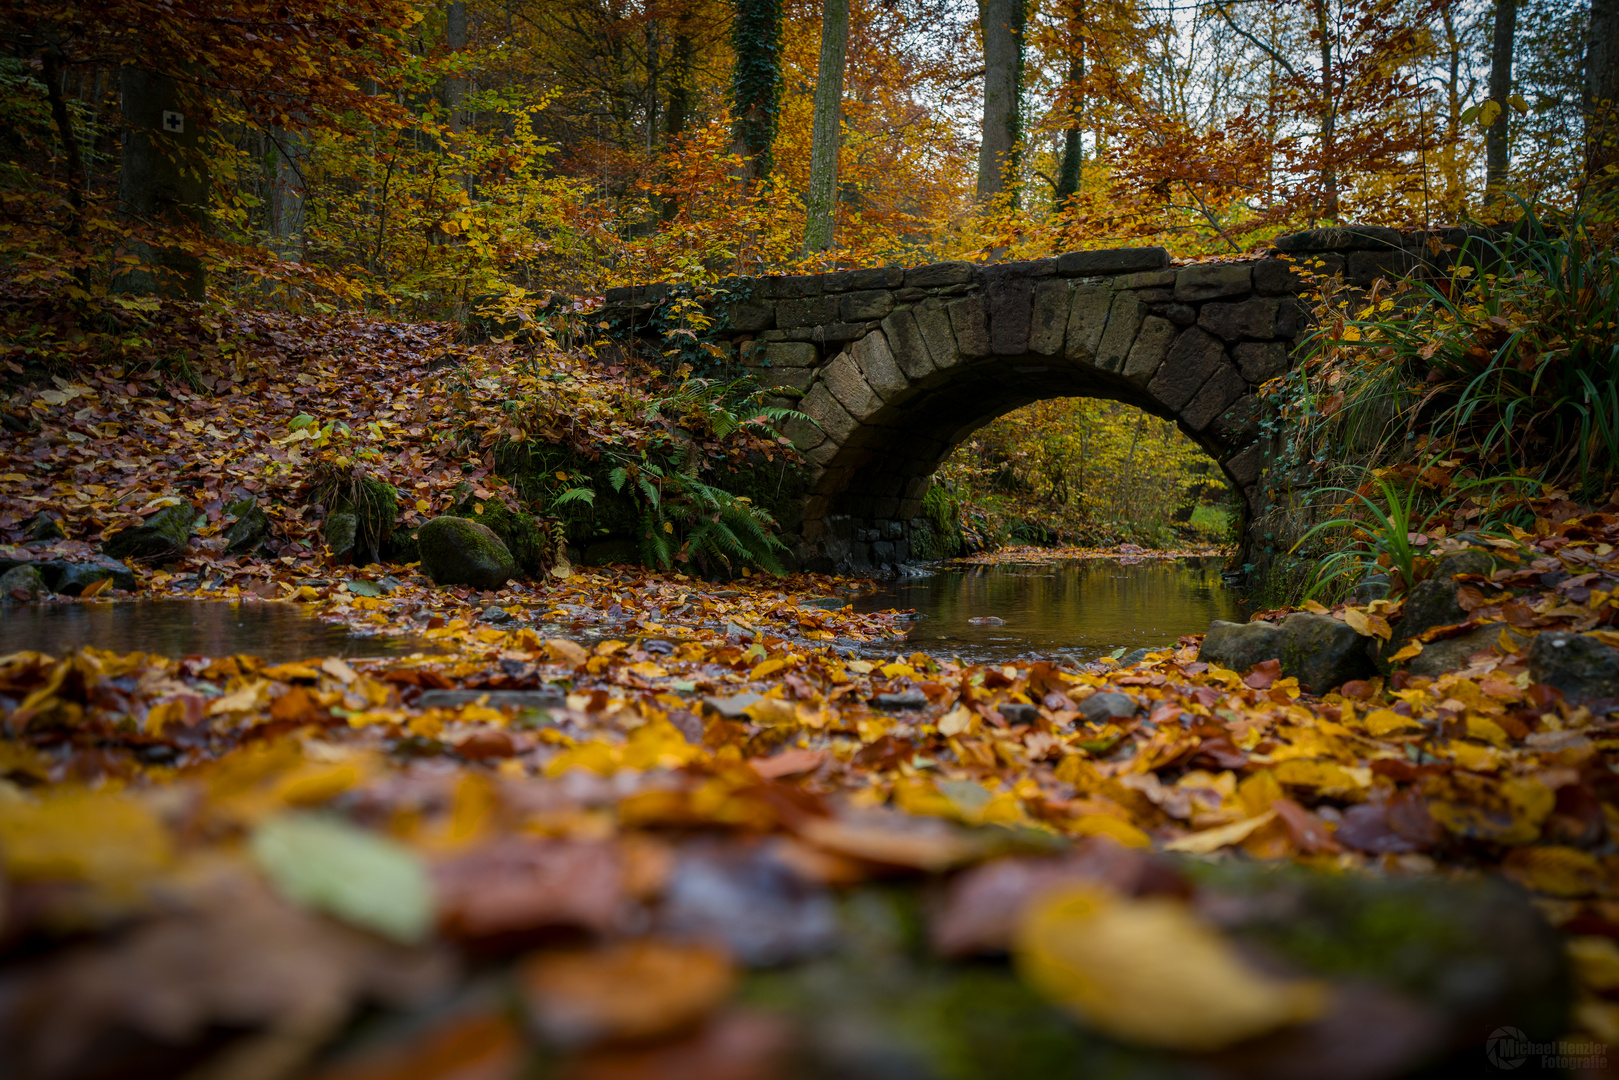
1508,1048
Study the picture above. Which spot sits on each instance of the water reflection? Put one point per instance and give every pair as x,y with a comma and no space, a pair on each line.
175,628
1085,608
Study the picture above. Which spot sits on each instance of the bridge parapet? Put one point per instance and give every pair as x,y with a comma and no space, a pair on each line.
896,366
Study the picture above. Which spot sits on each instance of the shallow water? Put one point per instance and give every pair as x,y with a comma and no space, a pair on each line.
1083,608
176,628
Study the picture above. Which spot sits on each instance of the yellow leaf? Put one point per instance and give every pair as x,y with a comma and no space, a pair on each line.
895,670
1358,621
1406,652
104,839
95,589
767,668
338,670
1519,104
1473,757
1556,870
563,651
245,699
1381,722
1212,840
1150,971
1325,776
862,667
1109,826
1313,607
423,505
957,721
1488,113
1596,960
1487,730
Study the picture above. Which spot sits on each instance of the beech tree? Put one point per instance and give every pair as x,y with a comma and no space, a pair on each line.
1496,145
756,83
1602,94
1001,23
821,202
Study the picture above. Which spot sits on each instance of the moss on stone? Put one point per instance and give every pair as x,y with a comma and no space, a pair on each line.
165,535
456,551
522,533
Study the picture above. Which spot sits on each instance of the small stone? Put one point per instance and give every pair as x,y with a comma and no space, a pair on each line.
44,529
21,584
1105,705
1019,712
1239,646
493,614
658,647
339,532
249,529
70,578
1579,665
1451,654
733,707
907,699
1133,657
546,697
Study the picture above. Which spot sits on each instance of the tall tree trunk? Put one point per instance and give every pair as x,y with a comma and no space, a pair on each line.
288,194
756,82
678,110
1329,118
162,182
455,87
1071,176
1453,197
52,74
828,130
1602,95
1495,139
1002,24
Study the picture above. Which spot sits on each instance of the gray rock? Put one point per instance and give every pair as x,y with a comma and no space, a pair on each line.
493,614
1432,602
1104,705
249,529
44,529
544,698
1369,588
1114,261
1450,654
1239,646
70,578
1322,652
1211,281
21,584
165,535
907,699
1134,656
1019,712
339,531
733,706
1579,665
455,551
1252,318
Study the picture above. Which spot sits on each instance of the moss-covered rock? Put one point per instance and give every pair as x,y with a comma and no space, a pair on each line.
165,535
250,529
455,551
1239,646
22,583
520,532
374,506
341,533
1322,652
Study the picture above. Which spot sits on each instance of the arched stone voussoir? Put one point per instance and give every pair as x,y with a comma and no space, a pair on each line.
874,358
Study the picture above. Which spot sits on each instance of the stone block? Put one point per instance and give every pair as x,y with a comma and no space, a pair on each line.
750,316
1366,267
792,287
1254,317
832,418
1154,296
1291,317
1010,298
1113,261
824,454
906,344
1210,281
1214,397
909,296
804,435
970,323
935,274
1240,422
1190,361
849,386
1049,318
1087,318
877,277
1179,314
1276,277
1152,279
876,362
1152,344
874,304
796,378
788,354
1245,465
1344,238
1261,361
807,311
934,322
1124,318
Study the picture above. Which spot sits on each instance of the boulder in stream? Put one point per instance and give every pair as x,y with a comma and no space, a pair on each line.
1579,665
455,551
1239,646
165,535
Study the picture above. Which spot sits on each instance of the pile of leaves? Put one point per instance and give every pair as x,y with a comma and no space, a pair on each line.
697,843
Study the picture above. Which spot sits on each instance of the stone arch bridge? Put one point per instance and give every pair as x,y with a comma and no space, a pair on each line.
897,366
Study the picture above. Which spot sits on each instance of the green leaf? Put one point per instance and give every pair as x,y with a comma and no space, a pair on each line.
323,862
300,422
361,587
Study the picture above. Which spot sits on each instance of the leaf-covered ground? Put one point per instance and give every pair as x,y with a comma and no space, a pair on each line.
632,824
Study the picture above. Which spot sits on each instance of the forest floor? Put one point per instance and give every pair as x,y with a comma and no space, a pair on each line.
630,823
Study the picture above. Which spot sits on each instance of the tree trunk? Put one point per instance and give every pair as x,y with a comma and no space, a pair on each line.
1329,120
828,131
678,111
288,194
52,74
1002,24
162,182
1453,197
1071,177
756,82
1602,95
455,87
1495,139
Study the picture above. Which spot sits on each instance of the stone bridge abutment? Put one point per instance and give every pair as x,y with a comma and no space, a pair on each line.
897,366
